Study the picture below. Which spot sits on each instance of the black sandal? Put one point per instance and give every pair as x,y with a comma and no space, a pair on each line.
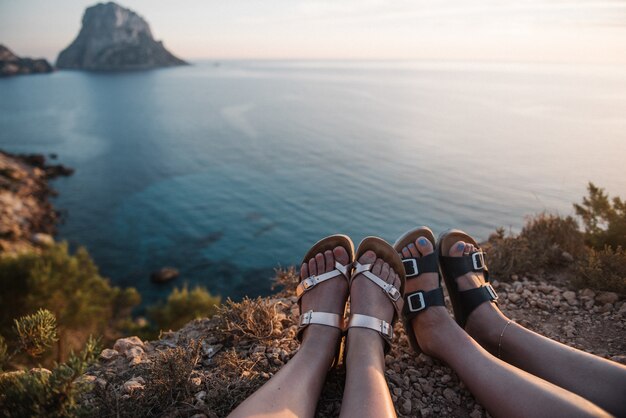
463,302
417,301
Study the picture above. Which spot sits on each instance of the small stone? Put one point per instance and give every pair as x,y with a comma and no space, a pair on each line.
607,297
406,407
452,396
475,414
588,293
123,344
132,385
397,392
164,275
196,381
514,297
445,378
567,257
198,416
570,297
107,354
43,240
200,396
426,412
427,387
607,307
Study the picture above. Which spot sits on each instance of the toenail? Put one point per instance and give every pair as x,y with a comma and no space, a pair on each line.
411,245
460,246
422,241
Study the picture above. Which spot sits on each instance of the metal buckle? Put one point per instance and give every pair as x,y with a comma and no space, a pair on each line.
305,318
491,291
412,263
386,329
422,302
309,282
478,260
393,293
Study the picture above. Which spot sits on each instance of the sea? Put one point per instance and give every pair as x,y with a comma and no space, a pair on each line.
227,170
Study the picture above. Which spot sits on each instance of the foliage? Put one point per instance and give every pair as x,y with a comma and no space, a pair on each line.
250,319
42,392
36,332
287,279
546,242
182,306
603,269
4,352
166,386
70,287
604,219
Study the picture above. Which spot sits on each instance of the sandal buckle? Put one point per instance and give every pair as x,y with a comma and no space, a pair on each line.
386,329
478,260
309,282
492,292
410,267
305,318
422,302
393,293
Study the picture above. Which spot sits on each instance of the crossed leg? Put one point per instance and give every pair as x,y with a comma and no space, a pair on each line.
503,389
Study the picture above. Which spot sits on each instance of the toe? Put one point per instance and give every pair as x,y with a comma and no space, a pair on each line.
319,261
329,260
368,258
406,253
396,281
304,271
341,255
312,267
377,267
384,272
424,246
457,249
468,249
413,250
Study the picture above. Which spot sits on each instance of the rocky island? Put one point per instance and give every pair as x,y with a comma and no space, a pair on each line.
113,38
11,64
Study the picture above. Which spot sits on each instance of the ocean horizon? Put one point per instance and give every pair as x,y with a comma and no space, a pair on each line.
228,169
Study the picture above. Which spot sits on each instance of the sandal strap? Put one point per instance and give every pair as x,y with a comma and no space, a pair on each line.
470,299
418,301
313,280
416,266
384,328
390,290
319,318
458,266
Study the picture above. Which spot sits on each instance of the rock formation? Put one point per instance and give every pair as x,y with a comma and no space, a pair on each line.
11,64
27,218
113,38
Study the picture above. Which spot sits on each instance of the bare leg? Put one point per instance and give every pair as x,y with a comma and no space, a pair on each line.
504,390
601,381
294,391
366,393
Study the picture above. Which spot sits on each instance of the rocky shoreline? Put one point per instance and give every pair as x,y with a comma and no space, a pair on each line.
27,218
11,64
232,354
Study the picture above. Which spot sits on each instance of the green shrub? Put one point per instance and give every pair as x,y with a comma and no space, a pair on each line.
547,242
602,269
182,306
83,302
604,219
42,392
36,332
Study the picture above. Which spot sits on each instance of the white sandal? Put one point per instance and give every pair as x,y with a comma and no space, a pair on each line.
386,252
342,271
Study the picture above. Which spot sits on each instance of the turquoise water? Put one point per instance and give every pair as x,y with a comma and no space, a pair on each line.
226,171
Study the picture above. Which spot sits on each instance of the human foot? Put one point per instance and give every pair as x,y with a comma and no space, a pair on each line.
486,321
375,293
427,323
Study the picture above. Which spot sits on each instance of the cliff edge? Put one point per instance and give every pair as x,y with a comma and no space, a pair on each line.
11,64
113,38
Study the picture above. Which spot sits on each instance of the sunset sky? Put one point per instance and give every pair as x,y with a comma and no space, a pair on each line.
469,30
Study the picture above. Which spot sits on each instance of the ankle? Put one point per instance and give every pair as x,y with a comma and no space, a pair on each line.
485,325
362,342
432,329
320,339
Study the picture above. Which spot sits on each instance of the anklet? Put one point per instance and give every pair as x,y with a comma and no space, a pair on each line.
500,340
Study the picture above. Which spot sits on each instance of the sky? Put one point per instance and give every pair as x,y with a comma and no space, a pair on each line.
551,31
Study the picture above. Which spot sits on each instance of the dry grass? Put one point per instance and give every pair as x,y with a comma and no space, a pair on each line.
249,320
603,270
286,279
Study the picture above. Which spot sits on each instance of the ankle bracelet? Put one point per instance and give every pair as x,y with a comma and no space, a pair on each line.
500,340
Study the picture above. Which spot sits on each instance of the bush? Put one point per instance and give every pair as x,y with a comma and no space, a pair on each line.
602,269
182,306
604,219
547,242
42,392
70,287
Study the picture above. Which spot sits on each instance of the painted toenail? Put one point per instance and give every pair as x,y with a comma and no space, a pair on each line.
422,241
460,246
411,245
